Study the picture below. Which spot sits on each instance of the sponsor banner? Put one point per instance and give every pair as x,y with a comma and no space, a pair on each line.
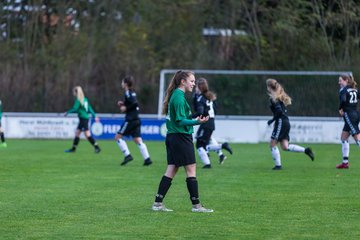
65,127
307,131
254,130
241,131
316,132
151,129
302,131
40,127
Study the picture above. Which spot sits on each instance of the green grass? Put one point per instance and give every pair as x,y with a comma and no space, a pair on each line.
48,194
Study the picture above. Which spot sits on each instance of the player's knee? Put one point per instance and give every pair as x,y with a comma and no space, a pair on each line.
200,144
138,140
117,137
285,148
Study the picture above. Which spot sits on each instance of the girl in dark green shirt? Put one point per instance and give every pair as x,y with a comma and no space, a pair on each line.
83,108
179,143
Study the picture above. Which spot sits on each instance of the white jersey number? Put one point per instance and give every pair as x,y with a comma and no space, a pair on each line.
211,108
353,97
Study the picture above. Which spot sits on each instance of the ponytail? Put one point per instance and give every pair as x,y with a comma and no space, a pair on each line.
79,94
175,83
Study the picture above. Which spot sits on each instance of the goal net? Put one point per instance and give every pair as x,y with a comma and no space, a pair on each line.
243,93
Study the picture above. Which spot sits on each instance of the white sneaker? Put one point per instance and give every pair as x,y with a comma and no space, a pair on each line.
160,207
200,208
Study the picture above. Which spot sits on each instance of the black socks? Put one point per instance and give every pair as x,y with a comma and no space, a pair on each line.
164,186
192,185
76,142
2,137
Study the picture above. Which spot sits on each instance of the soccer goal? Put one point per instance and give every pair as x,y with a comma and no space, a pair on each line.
243,92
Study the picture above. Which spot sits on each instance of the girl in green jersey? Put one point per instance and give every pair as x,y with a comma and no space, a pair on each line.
82,107
179,143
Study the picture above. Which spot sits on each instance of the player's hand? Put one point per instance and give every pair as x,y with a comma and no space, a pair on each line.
341,112
120,103
123,108
202,119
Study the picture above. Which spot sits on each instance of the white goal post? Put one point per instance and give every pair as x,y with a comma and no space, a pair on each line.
164,72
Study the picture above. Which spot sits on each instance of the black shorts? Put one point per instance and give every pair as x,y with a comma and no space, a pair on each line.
83,124
351,122
203,136
180,149
131,128
281,130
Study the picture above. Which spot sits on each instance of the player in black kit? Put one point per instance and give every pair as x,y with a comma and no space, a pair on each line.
348,96
278,102
132,123
3,143
205,105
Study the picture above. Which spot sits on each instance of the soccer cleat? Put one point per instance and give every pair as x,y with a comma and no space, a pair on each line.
310,153
127,159
160,207
71,150
222,158
277,168
97,149
343,166
226,146
207,166
147,162
200,208
4,145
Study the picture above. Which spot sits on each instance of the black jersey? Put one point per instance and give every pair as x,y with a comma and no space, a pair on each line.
132,106
0,110
205,107
278,109
348,99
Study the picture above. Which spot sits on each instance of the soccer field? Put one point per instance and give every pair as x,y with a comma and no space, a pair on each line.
48,194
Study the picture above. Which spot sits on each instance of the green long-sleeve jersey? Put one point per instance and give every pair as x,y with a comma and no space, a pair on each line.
179,118
82,110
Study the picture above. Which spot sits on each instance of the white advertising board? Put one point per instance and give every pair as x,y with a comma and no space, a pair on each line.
230,129
40,127
255,131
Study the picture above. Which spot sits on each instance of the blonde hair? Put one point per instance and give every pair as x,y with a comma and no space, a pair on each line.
175,83
276,92
79,94
350,80
204,89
